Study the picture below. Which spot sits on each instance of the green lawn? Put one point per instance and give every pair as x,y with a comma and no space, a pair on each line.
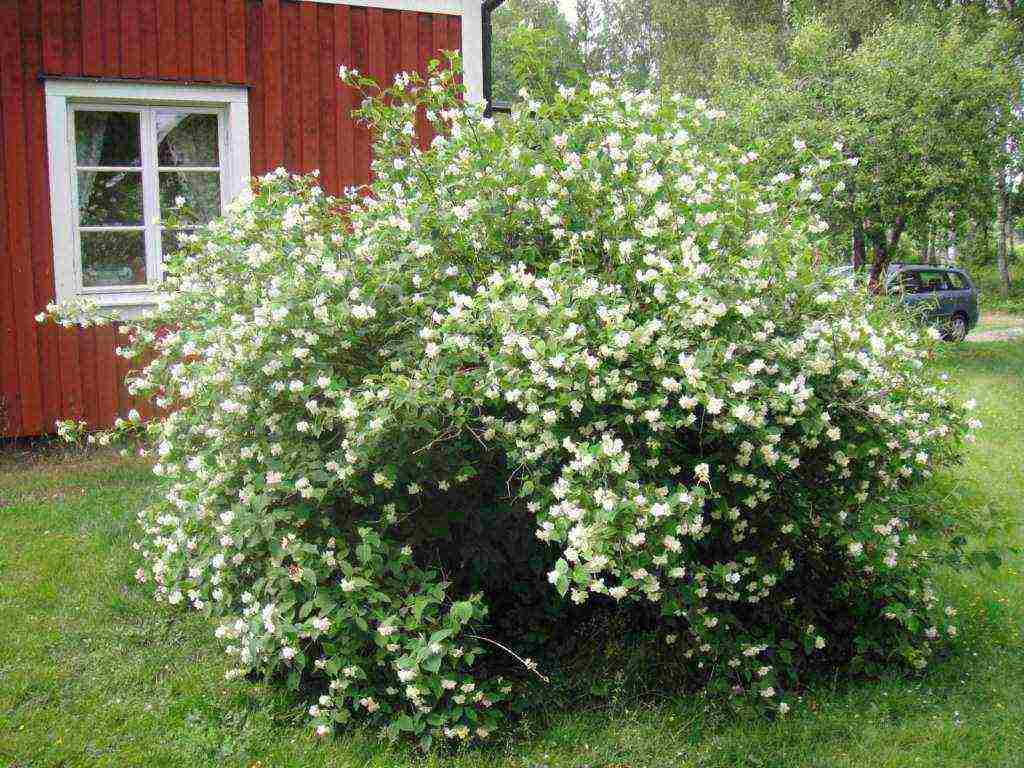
92,673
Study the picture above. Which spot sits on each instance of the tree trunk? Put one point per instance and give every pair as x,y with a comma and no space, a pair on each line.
1002,257
884,247
859,254
951,249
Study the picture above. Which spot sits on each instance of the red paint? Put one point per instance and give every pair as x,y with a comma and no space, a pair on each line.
166,53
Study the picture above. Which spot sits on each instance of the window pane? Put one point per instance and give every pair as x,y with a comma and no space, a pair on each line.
113,258
932,282
908,282
171,241
197,192
107,138
109,197
187,139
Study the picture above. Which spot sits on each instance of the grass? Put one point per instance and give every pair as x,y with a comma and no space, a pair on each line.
92,673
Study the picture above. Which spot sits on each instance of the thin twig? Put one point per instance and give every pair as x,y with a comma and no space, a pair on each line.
530,665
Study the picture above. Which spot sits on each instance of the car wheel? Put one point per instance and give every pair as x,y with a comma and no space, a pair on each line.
956,329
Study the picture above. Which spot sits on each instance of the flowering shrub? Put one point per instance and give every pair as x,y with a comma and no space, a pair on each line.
584,331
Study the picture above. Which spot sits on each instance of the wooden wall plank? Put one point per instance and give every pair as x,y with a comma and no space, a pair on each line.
92,37
39,248
90,376
455,38
440,36
72,37
392,45
12,92
425,46
328,110
106,371
309,87
202,40
344,104
70,374
292,86
131,37
124,400
237,42
10,399
257,93
112,39
408,36
376,67
273,105
183,39
53,36
166,33
219,40
149,59
360,60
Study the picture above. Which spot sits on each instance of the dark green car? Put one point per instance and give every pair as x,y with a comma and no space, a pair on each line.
945,296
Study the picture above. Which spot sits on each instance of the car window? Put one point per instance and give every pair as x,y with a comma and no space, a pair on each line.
956,281
907,282
932,281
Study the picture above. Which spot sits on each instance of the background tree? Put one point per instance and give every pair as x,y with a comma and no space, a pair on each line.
925,94
533,46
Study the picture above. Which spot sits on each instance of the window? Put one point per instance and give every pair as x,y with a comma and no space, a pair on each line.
957,282
122,157
907,282
932,281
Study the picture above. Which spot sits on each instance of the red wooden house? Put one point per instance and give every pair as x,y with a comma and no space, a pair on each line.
110,109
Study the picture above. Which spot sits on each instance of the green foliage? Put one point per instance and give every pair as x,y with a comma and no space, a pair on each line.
65,614
532,48
921,104
611,345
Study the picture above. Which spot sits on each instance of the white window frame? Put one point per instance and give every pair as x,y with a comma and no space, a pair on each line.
63,97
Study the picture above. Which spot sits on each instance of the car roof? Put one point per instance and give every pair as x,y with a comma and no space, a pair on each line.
922,268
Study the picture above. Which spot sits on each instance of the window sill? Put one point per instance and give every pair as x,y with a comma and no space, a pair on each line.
126,305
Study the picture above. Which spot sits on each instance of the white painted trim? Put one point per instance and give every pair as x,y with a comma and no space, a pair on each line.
170,93
472,49
62,96
453,7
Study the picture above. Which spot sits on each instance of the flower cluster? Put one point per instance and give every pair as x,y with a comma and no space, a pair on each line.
588,305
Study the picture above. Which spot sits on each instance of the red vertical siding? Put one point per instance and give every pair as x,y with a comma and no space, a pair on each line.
309,90
183,43
72,37
258,92
10,402
287,53
149,59
344,98
166,34
291,116
330,85
39,215
131,40
202,42
16,166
